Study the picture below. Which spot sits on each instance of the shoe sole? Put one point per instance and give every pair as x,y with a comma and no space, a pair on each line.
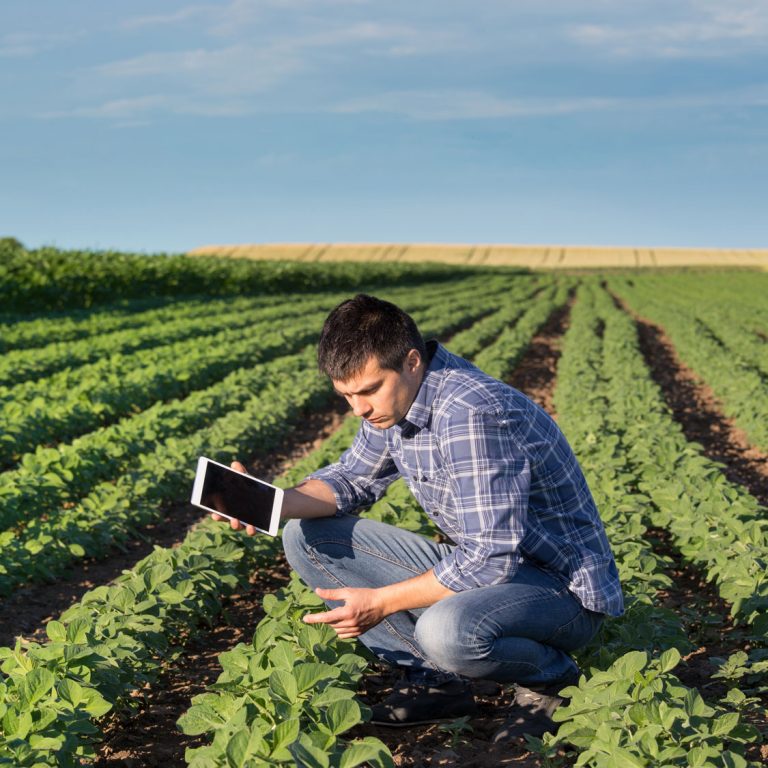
431,721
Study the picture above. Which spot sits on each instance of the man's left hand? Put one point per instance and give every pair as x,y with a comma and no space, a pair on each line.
360,612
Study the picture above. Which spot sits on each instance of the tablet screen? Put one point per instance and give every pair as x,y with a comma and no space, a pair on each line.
237,495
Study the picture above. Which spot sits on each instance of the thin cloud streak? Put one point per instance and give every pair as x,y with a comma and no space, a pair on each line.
27,44
710,31
479,105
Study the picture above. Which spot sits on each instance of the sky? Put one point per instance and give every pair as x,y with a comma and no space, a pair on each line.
161,126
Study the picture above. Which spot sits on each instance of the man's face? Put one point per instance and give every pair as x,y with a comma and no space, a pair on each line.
380,395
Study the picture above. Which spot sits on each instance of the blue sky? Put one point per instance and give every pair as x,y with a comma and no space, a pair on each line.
159,126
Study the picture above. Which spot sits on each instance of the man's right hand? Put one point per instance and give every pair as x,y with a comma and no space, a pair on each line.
236,525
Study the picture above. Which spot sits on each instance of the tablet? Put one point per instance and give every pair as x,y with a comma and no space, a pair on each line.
238,496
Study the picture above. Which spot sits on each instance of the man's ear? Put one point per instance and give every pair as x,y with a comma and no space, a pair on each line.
413,360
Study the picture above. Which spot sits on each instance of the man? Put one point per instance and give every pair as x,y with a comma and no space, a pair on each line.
529,575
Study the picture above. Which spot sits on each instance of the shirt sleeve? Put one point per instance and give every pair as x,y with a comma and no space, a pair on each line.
362,473
490,479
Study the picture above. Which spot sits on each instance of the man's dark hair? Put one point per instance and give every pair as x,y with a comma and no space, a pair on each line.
363,327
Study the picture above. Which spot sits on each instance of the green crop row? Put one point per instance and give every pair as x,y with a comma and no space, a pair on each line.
48,278
118,638
48,544
500,357
115,509
72,402
636,712
732,323
74,325
49,479
108,646
736,382
100,392
513,306
21,365
584,402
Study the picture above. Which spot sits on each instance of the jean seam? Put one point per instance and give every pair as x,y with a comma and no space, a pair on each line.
358,548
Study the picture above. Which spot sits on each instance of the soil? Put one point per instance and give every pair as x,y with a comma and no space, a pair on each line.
699,412
536,372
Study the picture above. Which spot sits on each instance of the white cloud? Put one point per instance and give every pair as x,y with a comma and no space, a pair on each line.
466,105
25,44
180,16
237,69
480,105
115,108
705,30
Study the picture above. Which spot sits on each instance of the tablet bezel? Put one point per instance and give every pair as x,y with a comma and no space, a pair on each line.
197,491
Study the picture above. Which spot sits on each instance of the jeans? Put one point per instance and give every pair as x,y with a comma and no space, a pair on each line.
518,632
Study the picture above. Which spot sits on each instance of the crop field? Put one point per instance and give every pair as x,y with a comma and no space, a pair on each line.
135,632
549,257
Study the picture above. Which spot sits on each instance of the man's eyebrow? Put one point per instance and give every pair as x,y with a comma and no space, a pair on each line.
364,390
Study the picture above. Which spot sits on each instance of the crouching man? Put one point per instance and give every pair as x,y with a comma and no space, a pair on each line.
529,575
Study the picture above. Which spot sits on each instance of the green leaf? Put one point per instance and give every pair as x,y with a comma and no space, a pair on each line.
309,674
70,691
285,733
307,755
725,724
56,631
283,655
77,631
669,659
237,748
342,715
35,685
282,684
331,694
369,750
200,718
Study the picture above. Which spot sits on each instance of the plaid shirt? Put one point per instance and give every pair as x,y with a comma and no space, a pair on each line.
496,474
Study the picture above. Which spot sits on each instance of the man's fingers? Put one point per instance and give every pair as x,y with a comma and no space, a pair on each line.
216,517
250,530
332,594
327,617
238,467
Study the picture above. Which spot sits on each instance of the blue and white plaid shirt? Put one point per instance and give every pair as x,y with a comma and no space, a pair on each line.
496,474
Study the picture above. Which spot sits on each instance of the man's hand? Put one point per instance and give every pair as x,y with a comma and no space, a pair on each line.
236,525
362,610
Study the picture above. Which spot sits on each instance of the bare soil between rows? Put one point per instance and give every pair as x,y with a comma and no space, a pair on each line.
699,412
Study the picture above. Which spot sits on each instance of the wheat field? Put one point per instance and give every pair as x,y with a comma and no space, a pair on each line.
529,256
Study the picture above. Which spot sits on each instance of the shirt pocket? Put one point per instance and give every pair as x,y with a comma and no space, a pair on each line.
433,490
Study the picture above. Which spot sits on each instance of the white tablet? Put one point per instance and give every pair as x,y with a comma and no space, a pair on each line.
238,496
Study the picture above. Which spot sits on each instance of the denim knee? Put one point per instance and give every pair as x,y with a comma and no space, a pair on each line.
294,542
440,639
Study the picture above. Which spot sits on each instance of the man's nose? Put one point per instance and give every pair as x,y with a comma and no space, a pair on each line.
360,406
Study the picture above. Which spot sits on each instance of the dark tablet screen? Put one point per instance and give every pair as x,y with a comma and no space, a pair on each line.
237,495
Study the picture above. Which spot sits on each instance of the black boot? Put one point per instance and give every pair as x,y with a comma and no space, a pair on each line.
410,704
532,711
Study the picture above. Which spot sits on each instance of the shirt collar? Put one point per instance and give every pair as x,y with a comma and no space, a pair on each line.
421,408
